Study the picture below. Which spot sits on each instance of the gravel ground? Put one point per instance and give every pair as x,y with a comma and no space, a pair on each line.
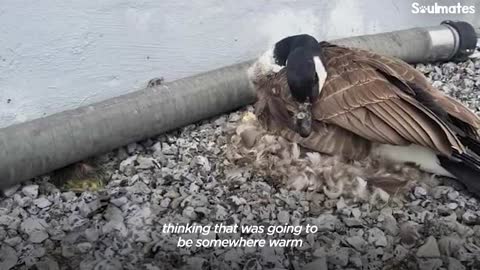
184,177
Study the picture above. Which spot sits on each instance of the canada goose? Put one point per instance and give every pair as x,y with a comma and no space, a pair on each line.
364,104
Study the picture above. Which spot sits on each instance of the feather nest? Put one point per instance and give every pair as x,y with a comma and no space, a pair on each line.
297,168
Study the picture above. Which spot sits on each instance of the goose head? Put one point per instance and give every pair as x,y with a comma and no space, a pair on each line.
306,75
300,57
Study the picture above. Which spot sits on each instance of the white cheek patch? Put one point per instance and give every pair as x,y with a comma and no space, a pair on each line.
321,72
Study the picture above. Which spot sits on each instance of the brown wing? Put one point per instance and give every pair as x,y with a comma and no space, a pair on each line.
370,99
332,140
416,79
273,106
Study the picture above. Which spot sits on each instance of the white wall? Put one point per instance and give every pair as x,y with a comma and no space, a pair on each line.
57,55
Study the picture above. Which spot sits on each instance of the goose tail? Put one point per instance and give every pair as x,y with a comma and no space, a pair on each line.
465,167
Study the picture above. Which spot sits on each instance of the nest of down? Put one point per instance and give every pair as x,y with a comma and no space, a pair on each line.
296,167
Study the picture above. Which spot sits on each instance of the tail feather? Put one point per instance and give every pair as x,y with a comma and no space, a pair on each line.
466,169
471,144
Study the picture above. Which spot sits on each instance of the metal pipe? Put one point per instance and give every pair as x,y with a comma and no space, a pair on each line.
40,146
447,41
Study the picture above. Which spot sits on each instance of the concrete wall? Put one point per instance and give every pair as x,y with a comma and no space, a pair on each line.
57,55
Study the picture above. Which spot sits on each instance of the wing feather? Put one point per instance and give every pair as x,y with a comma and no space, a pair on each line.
372,99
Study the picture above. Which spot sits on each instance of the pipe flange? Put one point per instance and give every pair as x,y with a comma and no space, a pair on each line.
467,38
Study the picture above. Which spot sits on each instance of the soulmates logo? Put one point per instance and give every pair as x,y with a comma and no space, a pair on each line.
440,9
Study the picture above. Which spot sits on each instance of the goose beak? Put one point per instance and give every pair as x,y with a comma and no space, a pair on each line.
303,123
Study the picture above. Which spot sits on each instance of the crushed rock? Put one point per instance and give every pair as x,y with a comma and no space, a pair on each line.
429,249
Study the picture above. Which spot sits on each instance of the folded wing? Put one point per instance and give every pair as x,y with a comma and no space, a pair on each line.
385,101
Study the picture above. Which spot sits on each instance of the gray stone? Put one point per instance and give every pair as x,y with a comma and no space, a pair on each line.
319,252
122,153
68,196
454,264
356,242
87,208
444,210
189,212
22,201
283,217
453,195
463,255
430,264
400,253
9,221
233,255
8,257
42,202
35,228
128,166
470,217
452,206
38,236
341,204
139,188
160,157
31,252
84,247
390,225
356,213
156,147
92,234
318,264
131,148
8,192
133,180
326,222
377,237
339,257
172,194
353,222
168,149
439,191
448,245
165,202
3,234
145,163
429,248
220,213
205,211
115,221
13,241
149,266
118,202
47,263
193,189
356,260
238,201
268,256
196,262
203,162
420,192
30,191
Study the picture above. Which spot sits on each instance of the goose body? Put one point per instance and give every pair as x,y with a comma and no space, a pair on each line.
374,105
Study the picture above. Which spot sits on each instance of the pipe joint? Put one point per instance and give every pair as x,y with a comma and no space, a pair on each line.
465,38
